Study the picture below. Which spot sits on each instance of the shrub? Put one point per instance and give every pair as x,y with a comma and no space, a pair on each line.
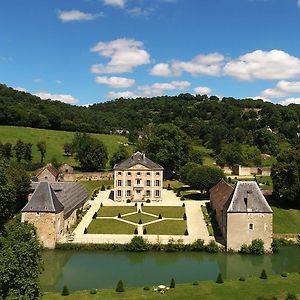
172,284
138,244
184,216
220,279
120,286
145,231
85,231
169,187
140,221
242,278
101,205
275,245
284,274
135,231
95,215
103,188
244,249
257,247
65,291
135,204
128,201
142,204
229,180
139,211
291,297
195,283
178,194
212,247
182,198
146,288
198,245
183,204
159,216
186,232
263,274
93,291
148,201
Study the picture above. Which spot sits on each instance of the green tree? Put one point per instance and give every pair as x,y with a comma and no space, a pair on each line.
42,147
20,263
263,274
90,152
19,149
6,150
68,149
168,146
65,291
220,279
27,152
286,177
196,156
172,284
120,286
121,154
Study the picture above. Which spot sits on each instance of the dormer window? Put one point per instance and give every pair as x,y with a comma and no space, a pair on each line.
119,173
148,174
128,173
138,174
246,201
157,173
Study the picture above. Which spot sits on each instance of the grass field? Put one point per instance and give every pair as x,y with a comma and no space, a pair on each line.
92,185
286,220
251,289
207,155
168,227
110,226
113,211
165,211
139,216
55,140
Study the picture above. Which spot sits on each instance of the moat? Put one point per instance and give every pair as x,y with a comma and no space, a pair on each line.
102,269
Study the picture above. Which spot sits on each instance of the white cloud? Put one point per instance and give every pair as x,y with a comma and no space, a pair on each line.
125,94
202,90
20,89
299,3
124,54
158,89
290,101
116,3
115,82
37,80
58,81
161,69
76,15
138,11
266,65
60,97
282,89
259,98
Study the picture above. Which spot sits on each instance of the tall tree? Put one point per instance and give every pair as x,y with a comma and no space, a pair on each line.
121,154
28,152
19,149
6,150
68,149
42,147
20,263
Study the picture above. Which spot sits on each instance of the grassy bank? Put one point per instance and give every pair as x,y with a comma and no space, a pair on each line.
252,288
55,140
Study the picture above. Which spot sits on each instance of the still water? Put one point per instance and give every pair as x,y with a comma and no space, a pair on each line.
102,269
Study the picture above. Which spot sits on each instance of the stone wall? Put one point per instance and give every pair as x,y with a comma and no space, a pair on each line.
49,226
238,231
86,176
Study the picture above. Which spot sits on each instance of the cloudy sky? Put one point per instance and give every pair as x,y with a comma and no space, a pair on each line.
88,51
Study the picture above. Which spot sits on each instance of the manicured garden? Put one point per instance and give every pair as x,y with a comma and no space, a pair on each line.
136,218
252,288
165,211
167,227
110,226
114,211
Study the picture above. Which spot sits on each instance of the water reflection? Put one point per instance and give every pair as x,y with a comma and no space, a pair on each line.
96,269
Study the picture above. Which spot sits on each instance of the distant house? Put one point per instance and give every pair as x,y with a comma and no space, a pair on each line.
138,178
48,173
52,209
242,213
249,171
65,169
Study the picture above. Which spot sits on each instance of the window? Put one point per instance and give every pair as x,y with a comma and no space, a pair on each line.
129,174
128,193
251,226
148,173
157,173
119,183
119,173
148,193
119,193
157,194
128,182
148,183
138,174
157,183
138,181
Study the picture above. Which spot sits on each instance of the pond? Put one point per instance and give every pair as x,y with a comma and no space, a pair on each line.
102,269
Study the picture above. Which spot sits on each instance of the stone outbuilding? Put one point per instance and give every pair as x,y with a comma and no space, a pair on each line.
138,178
52,209
243,214
65,169
48,173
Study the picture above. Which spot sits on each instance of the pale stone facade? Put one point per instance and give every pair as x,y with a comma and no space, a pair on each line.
47,173
138,179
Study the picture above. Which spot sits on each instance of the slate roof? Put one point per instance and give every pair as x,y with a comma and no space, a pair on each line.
51,169
135,159
43,200
247,189
66,196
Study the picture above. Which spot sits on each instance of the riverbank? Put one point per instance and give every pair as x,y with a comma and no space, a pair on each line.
251,288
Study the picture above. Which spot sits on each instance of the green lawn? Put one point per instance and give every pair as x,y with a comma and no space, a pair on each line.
207,155
165,211
251,289
92,185
113,211
286,220
174,184
139,216
110,226
208,220
168,227
55,140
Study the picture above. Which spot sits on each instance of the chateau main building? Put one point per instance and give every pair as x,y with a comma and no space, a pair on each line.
138,178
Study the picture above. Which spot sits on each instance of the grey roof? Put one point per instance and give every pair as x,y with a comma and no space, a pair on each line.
135,159
255,200
70,195
43,200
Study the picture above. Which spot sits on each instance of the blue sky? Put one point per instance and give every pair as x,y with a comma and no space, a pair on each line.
88,51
